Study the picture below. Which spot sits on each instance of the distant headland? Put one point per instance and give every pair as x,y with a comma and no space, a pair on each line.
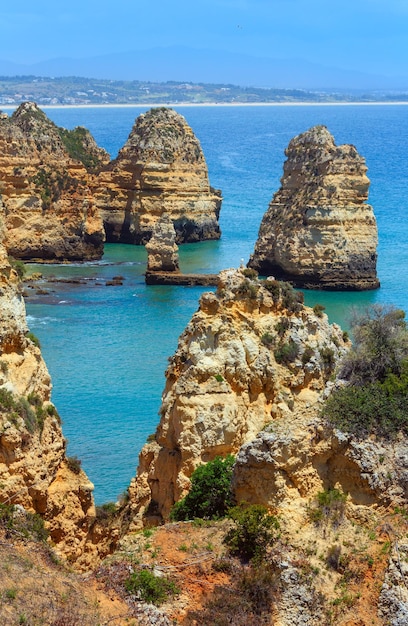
79,91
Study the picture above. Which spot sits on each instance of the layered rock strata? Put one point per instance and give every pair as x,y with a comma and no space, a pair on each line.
162,250
34,470
318,231
49,212
251,355
160,169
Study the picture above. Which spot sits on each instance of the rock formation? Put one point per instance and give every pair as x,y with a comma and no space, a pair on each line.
318,231
251,355
162,250
34,469
49,212
249,377
161,169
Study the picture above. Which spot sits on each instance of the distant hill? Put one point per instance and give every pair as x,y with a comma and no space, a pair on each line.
90,91
182,64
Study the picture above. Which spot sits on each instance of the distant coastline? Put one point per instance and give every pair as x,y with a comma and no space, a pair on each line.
149,105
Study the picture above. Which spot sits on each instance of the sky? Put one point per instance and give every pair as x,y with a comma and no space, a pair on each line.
364,35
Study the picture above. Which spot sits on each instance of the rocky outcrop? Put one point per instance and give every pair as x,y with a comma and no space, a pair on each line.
251,355
34,469
162,250
318,231
49,212
161,169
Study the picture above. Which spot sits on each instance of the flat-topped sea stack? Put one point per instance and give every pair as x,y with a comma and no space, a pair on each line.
45,171
319,232
160,169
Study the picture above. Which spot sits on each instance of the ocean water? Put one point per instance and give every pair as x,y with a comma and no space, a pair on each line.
107,347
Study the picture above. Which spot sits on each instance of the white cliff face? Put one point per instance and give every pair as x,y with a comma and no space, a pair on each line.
252,354
318,231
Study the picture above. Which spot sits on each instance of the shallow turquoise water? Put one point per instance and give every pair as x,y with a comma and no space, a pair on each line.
107,347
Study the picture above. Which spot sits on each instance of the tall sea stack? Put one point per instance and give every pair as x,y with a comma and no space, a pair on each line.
319,232
160,169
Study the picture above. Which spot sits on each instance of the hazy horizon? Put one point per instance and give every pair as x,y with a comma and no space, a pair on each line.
273,43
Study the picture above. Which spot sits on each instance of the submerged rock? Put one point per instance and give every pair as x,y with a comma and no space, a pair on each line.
160,169
319,232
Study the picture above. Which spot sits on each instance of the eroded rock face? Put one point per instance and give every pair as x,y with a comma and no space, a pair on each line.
251,355
45,171
161,169
318,231
34,471
162,250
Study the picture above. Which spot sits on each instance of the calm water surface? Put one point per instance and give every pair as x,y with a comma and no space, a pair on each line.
107,347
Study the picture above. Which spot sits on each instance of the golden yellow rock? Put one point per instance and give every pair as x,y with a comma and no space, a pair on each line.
160,169
319,232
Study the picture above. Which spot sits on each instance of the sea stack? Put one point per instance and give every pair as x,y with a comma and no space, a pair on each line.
45,172
162,250
160,169
319,232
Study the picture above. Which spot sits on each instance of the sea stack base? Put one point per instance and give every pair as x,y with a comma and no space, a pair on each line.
176,278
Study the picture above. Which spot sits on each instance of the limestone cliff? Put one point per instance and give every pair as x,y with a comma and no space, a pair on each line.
49,212
160,169
318,231
251,355
34,469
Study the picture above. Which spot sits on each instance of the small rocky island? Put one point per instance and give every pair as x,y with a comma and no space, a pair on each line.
62,197
319,232
160,169
163,266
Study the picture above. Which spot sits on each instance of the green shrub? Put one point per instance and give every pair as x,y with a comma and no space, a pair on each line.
380,346
74,464
15,408
380,408
327,355
27,525
282,326
18,266
210,493
329,507
105,512
273,286
318,310
219,378
286,353
248,272
151,588
34,339
268,339
75,142
375,400
248,289
254,530
307,354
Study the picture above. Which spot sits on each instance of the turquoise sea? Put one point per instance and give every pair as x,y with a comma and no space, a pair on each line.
107,347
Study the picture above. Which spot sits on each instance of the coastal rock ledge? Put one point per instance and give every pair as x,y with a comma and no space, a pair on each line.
319,232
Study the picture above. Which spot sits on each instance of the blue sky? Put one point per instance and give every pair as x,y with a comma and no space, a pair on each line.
365,35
